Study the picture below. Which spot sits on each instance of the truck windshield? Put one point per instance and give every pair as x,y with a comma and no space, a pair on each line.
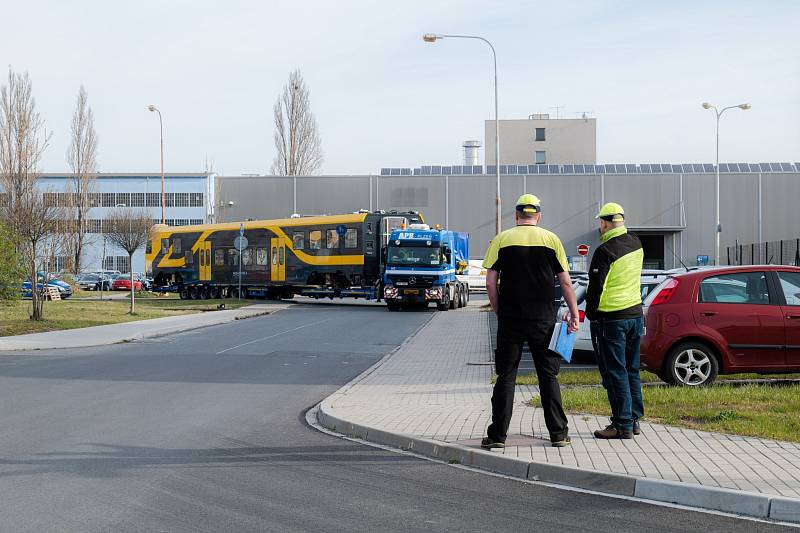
415,255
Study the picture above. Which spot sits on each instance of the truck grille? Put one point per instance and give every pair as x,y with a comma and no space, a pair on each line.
415,280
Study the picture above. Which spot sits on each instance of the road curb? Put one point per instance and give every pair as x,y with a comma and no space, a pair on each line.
11,344
757,505
750,504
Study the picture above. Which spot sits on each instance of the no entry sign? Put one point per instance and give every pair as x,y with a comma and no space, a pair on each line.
583,249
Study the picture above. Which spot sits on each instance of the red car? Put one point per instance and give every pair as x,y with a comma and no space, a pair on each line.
723,320
123,283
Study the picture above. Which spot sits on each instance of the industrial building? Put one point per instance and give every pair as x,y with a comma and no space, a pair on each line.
541,140
670,206
189,199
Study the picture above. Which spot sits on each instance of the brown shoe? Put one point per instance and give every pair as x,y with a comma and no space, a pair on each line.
613,432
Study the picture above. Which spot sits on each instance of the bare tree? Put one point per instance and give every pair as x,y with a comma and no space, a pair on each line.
82,158
297,140
31,219
129,229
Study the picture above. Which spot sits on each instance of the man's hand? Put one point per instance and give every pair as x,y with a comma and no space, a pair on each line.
573,323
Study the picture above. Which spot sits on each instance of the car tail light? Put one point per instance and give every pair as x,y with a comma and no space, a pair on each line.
667,292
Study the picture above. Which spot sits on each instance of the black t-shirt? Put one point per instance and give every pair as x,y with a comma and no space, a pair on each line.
528,259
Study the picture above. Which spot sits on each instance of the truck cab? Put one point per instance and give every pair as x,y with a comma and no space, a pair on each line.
425,265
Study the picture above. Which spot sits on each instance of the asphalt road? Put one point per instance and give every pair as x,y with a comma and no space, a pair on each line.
205,431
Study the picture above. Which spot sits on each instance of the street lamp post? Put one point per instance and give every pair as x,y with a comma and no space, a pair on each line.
153,108
718,225
433,37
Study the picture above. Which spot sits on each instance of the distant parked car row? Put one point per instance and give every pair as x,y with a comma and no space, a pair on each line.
112,281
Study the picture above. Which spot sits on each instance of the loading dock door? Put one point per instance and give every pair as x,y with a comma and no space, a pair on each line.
653,246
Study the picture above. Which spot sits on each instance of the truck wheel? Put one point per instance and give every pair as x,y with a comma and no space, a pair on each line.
183,293
444,305
456,299
463,301
392,305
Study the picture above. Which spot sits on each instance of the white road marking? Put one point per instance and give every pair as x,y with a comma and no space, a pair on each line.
272,336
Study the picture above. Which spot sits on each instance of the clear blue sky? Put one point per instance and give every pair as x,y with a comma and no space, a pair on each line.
383,97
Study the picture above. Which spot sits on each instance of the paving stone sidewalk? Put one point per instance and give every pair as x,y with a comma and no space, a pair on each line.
437,386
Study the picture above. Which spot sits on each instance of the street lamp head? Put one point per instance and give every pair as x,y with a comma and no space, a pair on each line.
744,107
430,37
706,105
151,107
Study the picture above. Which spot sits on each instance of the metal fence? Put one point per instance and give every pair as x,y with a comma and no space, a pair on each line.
785,252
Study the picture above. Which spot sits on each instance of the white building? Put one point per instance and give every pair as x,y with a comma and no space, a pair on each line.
540,140
189,199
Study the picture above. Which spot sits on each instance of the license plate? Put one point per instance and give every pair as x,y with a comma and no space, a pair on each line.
411,291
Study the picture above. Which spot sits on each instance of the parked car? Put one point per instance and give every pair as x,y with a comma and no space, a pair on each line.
122,282
95,282
476,276
583,341
64,289
723,320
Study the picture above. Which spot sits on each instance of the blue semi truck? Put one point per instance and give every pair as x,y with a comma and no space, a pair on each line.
425,265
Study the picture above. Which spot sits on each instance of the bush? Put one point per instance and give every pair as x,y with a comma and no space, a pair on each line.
11,271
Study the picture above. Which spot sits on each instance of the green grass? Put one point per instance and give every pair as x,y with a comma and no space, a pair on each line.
70,314
757,410
592,377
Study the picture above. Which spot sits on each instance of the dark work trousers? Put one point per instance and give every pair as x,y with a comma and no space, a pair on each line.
616,345
512,334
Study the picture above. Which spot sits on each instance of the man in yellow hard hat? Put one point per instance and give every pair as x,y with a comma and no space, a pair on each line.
527,259
614,307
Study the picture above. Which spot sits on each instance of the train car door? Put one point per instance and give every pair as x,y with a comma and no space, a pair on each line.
277,269
205,261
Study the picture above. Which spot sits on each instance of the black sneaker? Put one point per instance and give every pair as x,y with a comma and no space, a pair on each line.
488,443
613,432
566,441
636,429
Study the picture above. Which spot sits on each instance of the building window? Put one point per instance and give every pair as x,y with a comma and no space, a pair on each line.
124,198
540,157
333,239
50,199
298,240
94,226
539,134
109,199
94,199
137,199
181,222
108,263
196,199
351,238
169,199
169,221
195,221
181,199
153,199
122,263
315,240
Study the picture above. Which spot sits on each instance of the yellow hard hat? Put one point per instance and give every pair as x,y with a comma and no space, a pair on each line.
529,203
610,211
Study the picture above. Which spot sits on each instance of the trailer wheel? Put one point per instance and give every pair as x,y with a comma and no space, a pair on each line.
183,293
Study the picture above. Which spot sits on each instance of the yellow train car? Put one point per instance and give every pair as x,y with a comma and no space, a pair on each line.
320,255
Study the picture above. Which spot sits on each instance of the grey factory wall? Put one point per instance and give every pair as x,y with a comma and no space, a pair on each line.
655,204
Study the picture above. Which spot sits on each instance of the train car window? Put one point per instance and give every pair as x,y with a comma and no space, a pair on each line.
165,244
189,257
247,256
202,257
315,240
333,239
176,246
233,257
281,258
351,238
370,248
219,257
274,255
298,240
261,256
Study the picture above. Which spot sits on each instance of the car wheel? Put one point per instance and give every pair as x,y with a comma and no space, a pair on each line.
690,364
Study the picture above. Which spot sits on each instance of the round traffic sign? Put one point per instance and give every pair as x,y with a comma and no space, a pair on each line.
240,242
583,249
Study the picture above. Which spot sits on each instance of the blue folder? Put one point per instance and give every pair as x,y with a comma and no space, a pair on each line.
562,341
